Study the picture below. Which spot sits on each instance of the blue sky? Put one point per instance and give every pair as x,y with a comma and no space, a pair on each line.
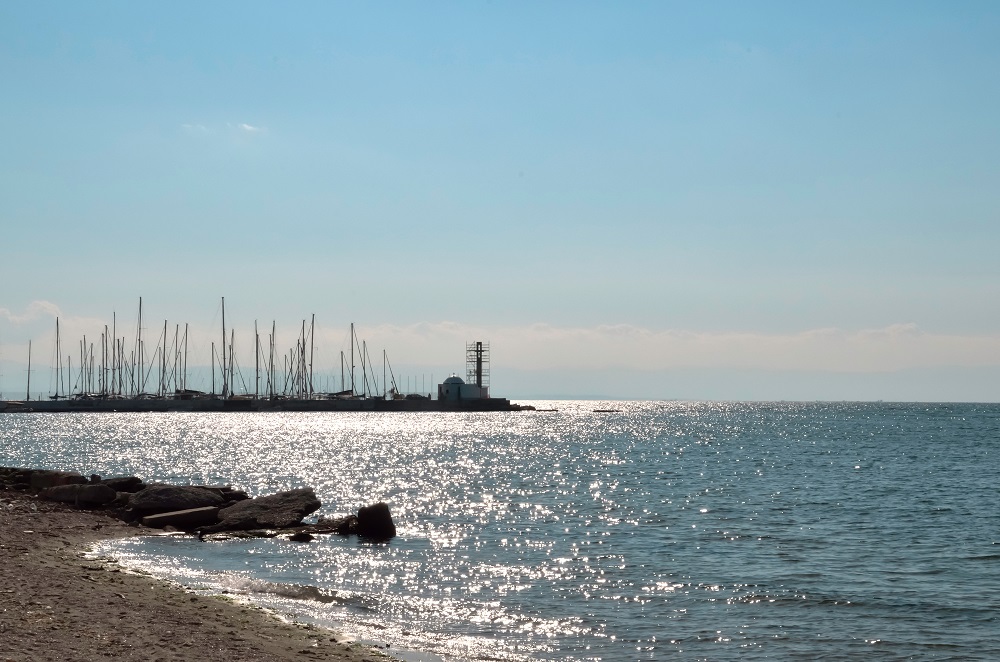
704,200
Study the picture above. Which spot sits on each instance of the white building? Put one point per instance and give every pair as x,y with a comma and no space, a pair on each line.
455,388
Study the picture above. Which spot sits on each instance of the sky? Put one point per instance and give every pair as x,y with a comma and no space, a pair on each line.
723,201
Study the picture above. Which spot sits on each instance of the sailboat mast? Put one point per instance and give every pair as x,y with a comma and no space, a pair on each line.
225,383
120,359
82,382
184,375
177,356
364,365
300,364
141,384
114,349
163,363
27,393
312,344
104,361
232,360
58,361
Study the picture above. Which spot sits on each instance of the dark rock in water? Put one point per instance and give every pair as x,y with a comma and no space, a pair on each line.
129,484
301,536
170,498
375,522
183,519
278,511
44,478
90,494
345,526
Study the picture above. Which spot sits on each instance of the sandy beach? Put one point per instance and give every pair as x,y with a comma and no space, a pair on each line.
55,604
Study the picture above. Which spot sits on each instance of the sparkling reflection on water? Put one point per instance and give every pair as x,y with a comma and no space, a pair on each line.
704,530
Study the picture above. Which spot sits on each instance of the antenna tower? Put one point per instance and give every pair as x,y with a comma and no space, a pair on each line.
477,364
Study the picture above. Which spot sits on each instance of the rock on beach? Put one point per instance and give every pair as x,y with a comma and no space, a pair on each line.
202,509
275,511
169,498
86,494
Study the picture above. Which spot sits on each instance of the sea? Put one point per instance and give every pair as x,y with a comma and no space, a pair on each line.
591,530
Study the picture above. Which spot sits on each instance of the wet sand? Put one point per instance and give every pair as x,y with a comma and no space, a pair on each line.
57,605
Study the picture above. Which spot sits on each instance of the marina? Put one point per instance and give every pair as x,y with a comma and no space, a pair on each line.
124,375
217,404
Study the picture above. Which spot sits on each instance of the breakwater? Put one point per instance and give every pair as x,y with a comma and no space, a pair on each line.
212,404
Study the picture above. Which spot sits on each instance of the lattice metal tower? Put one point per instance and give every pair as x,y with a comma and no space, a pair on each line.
477,364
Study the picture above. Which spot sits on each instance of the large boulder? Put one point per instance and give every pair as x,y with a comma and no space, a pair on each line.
375,522
81,495
15,478
275,511
183,519
44,478
169,498
129,484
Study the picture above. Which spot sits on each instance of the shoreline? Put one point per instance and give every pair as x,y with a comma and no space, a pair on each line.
55,604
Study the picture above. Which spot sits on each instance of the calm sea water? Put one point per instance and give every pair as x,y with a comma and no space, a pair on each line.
663,530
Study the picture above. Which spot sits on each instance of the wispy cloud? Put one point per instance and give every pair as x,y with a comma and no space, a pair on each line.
245,128
204,129
36,310
547,347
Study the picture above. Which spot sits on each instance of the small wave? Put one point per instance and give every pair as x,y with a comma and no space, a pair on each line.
983,557
923,571
248,585
794,599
